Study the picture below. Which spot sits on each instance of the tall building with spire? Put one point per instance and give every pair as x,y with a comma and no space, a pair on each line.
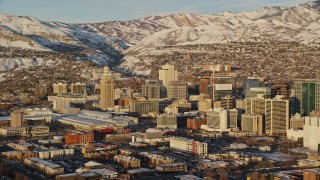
106,89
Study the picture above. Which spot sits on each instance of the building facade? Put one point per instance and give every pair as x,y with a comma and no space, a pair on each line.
143,106
106,90
167,121
188,145
222,119
307,96
277,115
79,138
168,73
78,88
252,123
60,88
177,90
151,89
16,119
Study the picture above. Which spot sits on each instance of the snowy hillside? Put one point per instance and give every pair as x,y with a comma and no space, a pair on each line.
109,41
31,33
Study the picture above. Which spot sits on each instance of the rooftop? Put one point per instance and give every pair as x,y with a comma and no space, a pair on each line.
140,170
44,162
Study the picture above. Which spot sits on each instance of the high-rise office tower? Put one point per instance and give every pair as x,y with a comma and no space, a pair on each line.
222,84
106,89
168,73
16,119
255,105
177,90
307,95
222,119
280,89
226,102
277,115
249,83
151,89
252,123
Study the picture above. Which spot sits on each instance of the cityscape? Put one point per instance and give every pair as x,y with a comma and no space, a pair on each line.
232,95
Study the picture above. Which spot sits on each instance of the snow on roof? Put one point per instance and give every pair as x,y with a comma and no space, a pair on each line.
46,163
139,170
103,172
92,163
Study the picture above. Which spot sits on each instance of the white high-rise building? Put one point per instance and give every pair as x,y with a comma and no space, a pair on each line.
311,129
168,73
222,119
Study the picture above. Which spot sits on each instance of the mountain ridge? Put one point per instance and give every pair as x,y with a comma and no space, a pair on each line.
110,41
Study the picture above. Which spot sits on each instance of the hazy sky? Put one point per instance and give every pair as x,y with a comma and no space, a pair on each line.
80,11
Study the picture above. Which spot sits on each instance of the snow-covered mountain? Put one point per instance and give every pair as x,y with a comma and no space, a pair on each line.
297,23
107,41
30,33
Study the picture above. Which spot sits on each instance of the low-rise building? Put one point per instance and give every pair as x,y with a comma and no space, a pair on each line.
127,162
238,134
38,129
156,159
174,167
79,138
311,174
46,167
86,175
13,131
195,123
296,122
167,121
308,163
238,146
189,145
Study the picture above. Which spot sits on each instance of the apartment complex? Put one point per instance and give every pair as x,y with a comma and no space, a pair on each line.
46,167
127,162
156,159
188,145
